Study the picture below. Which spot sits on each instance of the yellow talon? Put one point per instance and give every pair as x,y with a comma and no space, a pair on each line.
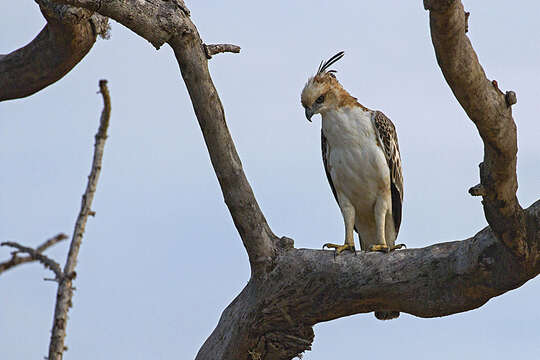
379,247
385,248
340,248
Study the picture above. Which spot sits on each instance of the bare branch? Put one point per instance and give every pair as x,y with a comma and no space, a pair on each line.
183,37
51,242
307,287
68,36
37,256
17,260
65,288
156,22
489,109
258,239
214,49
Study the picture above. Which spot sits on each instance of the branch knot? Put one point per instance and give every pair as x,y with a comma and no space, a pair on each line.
511,98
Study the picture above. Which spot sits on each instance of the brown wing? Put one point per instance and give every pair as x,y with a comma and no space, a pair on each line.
324,148
389,142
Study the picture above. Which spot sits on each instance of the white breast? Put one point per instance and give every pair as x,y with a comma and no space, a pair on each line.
356,163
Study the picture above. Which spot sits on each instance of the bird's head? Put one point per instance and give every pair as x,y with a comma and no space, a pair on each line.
322,91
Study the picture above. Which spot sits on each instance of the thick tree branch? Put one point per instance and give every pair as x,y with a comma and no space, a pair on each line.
17,260
489,109
155,21
168,21
274,318
66,38
256,235
65,289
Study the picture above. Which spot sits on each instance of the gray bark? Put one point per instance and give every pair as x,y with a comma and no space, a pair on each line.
64,293
273,317
67,37
490,110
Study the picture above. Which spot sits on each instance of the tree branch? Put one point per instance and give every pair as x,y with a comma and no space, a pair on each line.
17,260
66,38
274,319
490,111
156,22
46,261
212,50
33,255
65,290
168,21
258,239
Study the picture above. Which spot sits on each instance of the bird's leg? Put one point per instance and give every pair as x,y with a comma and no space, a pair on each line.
379,211
391,233
347,210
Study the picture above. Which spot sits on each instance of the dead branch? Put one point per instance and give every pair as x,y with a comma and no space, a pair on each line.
17,260
307,287
157,23
65,289
292,289
489,109
34,255
66,38
182,35
258,238
214,49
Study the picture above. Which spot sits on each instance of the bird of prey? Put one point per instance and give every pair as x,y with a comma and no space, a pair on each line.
361,157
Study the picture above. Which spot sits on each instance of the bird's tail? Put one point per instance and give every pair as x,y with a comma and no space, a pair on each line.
386,315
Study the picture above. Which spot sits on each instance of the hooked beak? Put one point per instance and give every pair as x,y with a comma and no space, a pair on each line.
309,114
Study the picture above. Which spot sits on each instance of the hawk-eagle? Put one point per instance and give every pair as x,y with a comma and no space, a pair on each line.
361,157
362,162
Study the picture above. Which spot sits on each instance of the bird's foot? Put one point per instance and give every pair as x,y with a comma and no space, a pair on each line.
385,248
379,247
340,248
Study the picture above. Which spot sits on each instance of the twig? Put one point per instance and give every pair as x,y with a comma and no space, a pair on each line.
65,289
35,255
52,241
17,260
211,50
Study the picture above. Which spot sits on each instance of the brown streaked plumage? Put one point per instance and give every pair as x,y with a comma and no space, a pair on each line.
386,133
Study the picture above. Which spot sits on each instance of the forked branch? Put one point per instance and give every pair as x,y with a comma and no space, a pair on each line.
18,260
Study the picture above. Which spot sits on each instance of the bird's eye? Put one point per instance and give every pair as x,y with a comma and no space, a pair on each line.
320,99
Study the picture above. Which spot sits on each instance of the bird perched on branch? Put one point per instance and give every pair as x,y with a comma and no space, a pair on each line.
362,162
361,157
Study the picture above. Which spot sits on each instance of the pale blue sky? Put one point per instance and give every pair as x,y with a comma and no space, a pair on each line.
162,259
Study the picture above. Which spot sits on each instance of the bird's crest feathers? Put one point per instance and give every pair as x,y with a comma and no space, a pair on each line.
326,64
